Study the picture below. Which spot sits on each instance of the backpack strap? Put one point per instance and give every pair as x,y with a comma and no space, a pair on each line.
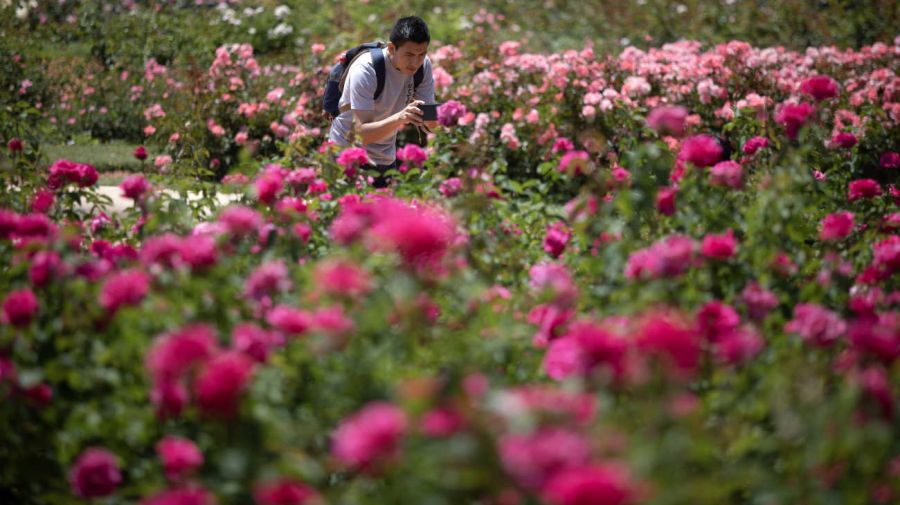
378,63
419,77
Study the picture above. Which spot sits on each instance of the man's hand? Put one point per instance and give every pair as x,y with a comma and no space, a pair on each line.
410,115
371,131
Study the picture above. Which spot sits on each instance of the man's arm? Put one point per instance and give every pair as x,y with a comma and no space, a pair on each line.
370,131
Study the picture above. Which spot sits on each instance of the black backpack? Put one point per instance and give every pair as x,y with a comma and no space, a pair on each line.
335,85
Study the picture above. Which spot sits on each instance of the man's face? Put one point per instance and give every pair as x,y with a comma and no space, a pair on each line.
408,57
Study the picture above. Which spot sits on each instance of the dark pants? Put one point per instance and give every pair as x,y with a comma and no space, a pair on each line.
382,180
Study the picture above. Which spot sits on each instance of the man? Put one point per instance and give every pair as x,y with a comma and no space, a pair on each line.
376,122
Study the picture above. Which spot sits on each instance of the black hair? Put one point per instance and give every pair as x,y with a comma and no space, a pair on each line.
411,28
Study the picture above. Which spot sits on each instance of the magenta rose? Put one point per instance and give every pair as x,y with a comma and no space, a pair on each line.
668,120
754,144
371,434
589,485
127,287
793,116
863,188
726,173
134,187
816,325
819,87
95,474
221,382
179,456
719,247
837,226
889,160
665,201
240,220
19,307
701,151
285,491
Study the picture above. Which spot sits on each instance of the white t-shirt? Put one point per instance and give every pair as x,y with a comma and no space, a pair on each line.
359,90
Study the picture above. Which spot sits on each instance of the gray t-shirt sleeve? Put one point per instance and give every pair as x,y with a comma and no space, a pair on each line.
361,82
425,91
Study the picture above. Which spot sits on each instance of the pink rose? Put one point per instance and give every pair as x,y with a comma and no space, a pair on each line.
198,251
412,154
819,87
719,247
534,458
739,345
574,162
140,153
837,226
179,456
665,200
95,474
253,341
240,220
45,266
220,383
701,151
726,173
42,201
793,116
373,433
715,319
173,355
20,307
754,144
844,140
134,186
36,226
671,338
422,236
127,287
889,160
189,495
877,334
562,145
450,112
352,159
441,422
556,238
589,485
450,187
863,188
169,396
270,278
341,278
668,120
816,324
285,491
759,301
289,320
555,280
269,184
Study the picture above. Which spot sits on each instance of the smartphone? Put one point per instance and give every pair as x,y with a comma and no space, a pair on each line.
429,111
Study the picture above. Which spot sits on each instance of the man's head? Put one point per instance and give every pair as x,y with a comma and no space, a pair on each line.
409,44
